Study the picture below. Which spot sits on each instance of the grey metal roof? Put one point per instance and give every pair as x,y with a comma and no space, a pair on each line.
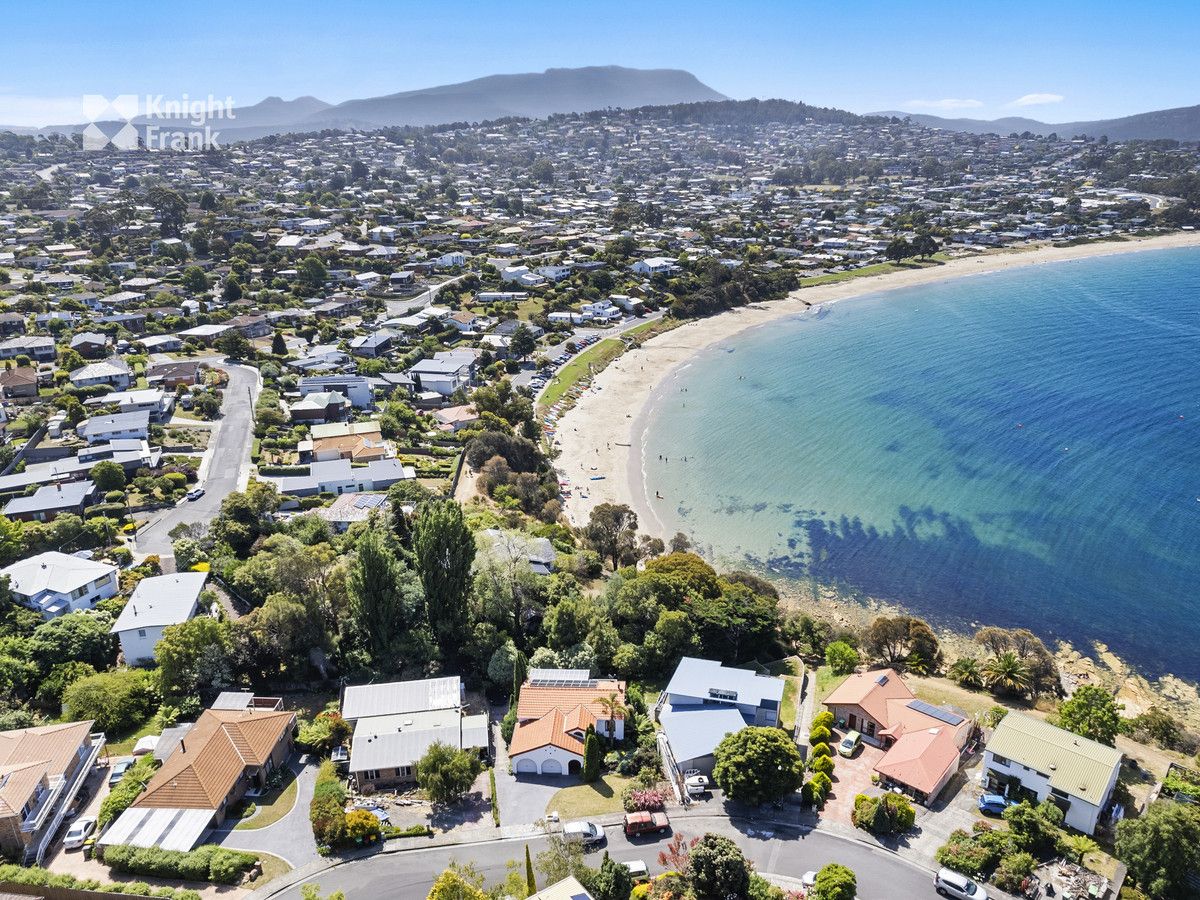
1076,765
401,748
700,677
695,731
364,700
162,600
171,829
233,700
120,422
50,497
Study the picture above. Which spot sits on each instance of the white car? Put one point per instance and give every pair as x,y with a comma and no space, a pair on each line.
949,883
696,784
586,834
78,833
807,880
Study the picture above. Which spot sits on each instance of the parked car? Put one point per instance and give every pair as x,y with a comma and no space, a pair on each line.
78,832
120,767
949,883
808,880
195,493
639,870
849,744
639,823
586,834
695,783
995,804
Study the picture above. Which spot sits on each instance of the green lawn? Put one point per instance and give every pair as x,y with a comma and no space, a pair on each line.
272,806
272,868
826,682
122,745
868,271
589,799
590,361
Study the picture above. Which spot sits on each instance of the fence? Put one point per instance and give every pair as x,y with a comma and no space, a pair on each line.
28,447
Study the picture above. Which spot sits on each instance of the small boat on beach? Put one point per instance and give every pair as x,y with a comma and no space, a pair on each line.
597,477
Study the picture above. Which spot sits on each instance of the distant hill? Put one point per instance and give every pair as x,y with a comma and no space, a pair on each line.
532,95
535,95
1179,124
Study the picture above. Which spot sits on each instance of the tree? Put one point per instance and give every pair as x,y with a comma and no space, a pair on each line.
1092,712
386,603
194,280
613,709
278,345
80,636
520,673
924,245
116,701
898,250
834,882
107,476
193,657
451,885
445,549
967,672
901,641
717,869
841,657
591,756
530,880
231,290
1161,847
445,773
234,345
1007,673
612,529
312,271
522,343
757,765
612,881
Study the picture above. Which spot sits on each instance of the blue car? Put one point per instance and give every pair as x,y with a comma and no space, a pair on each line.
994,804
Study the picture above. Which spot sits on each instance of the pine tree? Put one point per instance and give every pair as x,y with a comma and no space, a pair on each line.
591,756
530,881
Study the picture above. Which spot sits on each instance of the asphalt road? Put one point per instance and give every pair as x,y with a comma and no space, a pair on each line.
230,452
410,874
423,299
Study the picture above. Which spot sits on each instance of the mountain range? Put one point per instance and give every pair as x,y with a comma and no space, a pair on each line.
533,95
1179,124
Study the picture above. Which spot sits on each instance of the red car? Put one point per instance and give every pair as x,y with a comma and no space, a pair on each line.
637,823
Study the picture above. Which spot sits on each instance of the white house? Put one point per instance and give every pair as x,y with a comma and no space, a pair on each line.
451,260
1028,758
156,603
554,273
54,583
553,714
655,265
445,372
122,426
355,388
113,372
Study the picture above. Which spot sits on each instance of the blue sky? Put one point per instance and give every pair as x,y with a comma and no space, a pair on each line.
1055,60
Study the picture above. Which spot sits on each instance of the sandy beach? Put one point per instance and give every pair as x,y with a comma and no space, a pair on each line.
599,440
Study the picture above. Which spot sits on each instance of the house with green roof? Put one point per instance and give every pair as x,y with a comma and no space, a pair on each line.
1029,759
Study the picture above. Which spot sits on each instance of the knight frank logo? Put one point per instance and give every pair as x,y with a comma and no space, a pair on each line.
154,122
110,122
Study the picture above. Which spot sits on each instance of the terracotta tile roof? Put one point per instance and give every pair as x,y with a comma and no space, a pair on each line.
537,700
55,745
548,731
871,691
17,784
213,756
919,759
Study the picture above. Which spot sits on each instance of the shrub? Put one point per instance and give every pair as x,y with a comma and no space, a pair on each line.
635,800
889,814
822,784
326,812
1013,870
13,874
823,719
362,826
964,853
841,658
820,735
822,764
391,831
495,798
821,750
207,863
117,701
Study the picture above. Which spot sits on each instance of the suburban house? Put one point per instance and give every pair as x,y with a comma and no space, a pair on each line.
510,548
553,714
326,406
155,401
1028,758
171,375
35,346
19,383
112,372
156,602
569,888
704,701
122,426
161,343
396,722
89,343
357,441
350,508
924,743
355,388
445,372
227,754
655,265
51,500
54,583
41,772
337,476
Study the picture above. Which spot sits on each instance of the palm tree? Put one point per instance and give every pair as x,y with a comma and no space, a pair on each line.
614,708
966,671
1006,672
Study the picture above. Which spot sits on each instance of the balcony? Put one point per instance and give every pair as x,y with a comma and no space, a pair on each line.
44,823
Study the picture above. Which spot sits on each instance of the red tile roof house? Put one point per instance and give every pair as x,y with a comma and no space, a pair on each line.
553,714
924,743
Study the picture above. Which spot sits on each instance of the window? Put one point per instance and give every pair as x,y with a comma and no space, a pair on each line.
871,729
405,771
1000,760
141,632
370,775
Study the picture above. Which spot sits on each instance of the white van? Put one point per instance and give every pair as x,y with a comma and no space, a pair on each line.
587,834
953,884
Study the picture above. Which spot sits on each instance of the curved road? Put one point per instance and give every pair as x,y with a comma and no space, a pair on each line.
229,454
788,852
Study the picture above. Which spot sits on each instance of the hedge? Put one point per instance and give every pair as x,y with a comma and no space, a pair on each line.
14,874
391,831
132,783
327,812
495,799
207,863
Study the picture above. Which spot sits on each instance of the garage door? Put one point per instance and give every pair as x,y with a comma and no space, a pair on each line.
551,767
526,766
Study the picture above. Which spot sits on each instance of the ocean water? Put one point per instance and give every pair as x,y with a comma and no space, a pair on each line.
1019,449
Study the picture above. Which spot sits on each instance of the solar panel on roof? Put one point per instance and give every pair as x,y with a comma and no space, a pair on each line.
936,712
369,501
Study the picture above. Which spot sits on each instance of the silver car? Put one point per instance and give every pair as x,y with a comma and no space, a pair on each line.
954,884
586,834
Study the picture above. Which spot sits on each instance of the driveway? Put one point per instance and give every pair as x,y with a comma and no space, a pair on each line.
291,838
851,777
227,459
523,800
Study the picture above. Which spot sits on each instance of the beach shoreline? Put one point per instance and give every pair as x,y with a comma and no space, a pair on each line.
599,441
603,437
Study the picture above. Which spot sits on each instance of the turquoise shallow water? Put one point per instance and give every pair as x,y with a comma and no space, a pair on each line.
1020,449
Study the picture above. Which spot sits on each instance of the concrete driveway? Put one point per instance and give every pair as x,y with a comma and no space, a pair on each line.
851,777
523,799
291,838
228,459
